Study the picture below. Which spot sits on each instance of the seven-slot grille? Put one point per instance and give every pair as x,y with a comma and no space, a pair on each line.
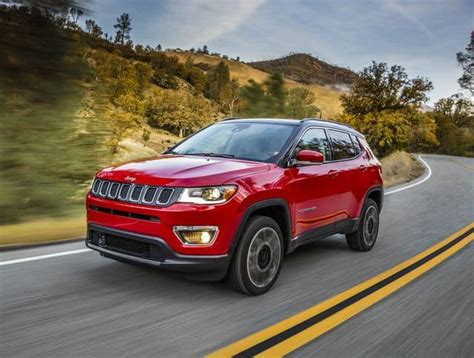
133,193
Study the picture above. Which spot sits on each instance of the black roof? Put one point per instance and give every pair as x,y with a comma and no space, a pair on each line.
307,122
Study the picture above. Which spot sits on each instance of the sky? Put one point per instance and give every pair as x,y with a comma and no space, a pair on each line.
421,35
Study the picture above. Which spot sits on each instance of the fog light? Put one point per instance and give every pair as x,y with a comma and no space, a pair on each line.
196,235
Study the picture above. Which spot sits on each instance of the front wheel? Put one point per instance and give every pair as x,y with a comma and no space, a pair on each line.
364,238
257,261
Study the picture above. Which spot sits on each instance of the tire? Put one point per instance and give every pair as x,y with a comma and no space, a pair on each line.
364,238
258,258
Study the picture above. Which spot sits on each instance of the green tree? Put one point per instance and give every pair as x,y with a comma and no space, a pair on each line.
300,103
276,92
194,75
392,130
219,83
75,13
180,113
165,70
422,136
255,100
233,100
386,131
384,105
466,61
143,76
459,110
267,100
93,29
124,27
380,88
454,119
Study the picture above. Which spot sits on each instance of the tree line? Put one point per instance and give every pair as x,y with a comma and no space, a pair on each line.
387,107
383,103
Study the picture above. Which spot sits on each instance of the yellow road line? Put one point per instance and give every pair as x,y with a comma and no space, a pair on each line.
312,332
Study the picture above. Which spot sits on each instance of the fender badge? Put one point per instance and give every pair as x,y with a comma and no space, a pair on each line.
305,210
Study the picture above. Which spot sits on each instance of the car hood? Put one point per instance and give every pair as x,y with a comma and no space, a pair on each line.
182,170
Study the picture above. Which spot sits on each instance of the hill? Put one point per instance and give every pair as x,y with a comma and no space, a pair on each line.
327,97
307,69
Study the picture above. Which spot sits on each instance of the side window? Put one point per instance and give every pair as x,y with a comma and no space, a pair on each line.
341,145
356,144
366,147
315,139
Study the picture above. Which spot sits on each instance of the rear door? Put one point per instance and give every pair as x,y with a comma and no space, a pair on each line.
352,166
314,187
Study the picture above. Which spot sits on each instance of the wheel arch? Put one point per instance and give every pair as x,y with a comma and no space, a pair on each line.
376,194
276,209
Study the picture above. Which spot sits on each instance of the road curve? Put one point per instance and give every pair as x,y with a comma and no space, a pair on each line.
84,305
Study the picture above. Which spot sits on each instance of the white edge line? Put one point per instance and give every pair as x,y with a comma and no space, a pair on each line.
80,251
42,257
416,183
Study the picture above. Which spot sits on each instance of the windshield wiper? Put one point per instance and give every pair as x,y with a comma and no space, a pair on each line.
213,155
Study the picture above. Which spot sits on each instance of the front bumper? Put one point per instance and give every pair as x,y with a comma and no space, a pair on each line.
154,251
158,222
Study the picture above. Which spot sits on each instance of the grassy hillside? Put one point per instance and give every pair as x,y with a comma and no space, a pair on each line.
327,97
307,69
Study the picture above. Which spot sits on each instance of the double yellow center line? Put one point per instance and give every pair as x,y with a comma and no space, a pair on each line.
302,328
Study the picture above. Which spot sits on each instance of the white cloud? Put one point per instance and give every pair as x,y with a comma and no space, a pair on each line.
408,14
197,22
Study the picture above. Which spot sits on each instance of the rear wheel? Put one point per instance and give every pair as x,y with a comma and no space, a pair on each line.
364,238
257,261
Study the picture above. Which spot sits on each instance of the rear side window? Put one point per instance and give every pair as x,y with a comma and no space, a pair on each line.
315,139
342,146
366,147
356,144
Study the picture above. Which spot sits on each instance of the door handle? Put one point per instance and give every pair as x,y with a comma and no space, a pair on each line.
333,173
363,168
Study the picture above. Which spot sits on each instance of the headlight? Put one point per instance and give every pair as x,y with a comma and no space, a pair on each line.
207,195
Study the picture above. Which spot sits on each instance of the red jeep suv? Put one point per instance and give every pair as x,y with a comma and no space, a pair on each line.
234,198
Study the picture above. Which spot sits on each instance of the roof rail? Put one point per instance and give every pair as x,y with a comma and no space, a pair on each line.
328,121
230,118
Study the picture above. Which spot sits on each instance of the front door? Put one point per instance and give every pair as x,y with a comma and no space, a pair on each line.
314,187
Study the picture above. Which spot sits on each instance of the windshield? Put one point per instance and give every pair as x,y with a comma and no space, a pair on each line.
252,141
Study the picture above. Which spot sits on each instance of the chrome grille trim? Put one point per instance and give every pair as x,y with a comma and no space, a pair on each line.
104,188
111,194
145,192
158,202
127,195
132,192
96,186
114,190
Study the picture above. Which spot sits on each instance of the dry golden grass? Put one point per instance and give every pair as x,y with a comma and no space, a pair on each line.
43,231
327,98
400,167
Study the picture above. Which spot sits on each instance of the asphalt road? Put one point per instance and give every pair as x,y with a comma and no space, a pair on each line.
86,305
